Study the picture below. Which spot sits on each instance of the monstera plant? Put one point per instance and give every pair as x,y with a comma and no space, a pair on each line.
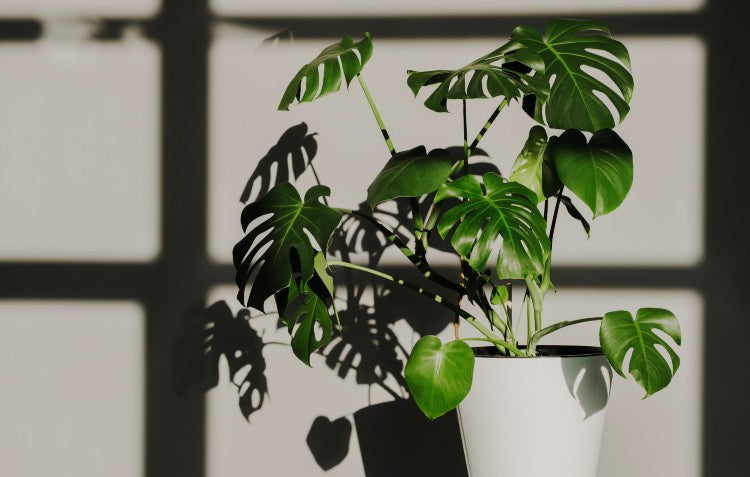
575,82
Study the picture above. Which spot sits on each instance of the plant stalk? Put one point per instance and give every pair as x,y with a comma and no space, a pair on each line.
437,299
418,261
531,347
554,218
375,112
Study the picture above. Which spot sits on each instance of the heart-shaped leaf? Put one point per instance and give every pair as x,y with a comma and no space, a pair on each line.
410,173
268,246
501,208
535,167
620,333
305,307
571,52
600,173
494,74
439,376
336,58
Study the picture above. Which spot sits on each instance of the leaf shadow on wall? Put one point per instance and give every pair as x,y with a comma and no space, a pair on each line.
395,438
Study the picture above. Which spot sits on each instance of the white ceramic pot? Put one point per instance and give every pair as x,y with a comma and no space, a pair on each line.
536,417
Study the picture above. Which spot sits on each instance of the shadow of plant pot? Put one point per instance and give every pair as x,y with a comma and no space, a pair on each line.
397,440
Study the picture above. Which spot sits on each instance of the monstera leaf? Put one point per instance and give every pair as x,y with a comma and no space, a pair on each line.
569,50
305,305
439,375
281,236
620,333
502,208
336,58
410,173
535,166
600,173
485,77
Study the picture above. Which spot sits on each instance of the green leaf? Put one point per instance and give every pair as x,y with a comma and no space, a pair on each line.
571,49
501,208
303,305
285,220
620,333
410,173
439,376
350,64
499,295
600,173
535,167
494,74
576,214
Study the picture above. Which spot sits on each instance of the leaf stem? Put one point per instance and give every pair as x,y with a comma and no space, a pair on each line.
499,342
552,328
375,112
458,165
554,218
418,261
437,299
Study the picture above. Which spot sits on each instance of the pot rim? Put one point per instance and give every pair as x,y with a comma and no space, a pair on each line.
552,351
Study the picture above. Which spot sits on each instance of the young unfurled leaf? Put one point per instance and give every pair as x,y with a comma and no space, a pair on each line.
534,166
284,230
410,173
486,77
620,333
439,375
500,209
600,173
336,58
570,49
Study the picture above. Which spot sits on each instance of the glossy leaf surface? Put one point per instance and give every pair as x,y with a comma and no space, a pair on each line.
439,375
599,172
620,333
571,50
410,173
486,77
497,209
336,59
534,166
267,246
305,307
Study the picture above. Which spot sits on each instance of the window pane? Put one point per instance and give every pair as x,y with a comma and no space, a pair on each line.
80,151
71,388
659,224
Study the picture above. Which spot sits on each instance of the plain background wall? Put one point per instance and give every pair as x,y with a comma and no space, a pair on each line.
128,130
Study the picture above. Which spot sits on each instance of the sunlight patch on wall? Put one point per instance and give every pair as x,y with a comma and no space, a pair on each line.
70,8
328,8
80,167
72,388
